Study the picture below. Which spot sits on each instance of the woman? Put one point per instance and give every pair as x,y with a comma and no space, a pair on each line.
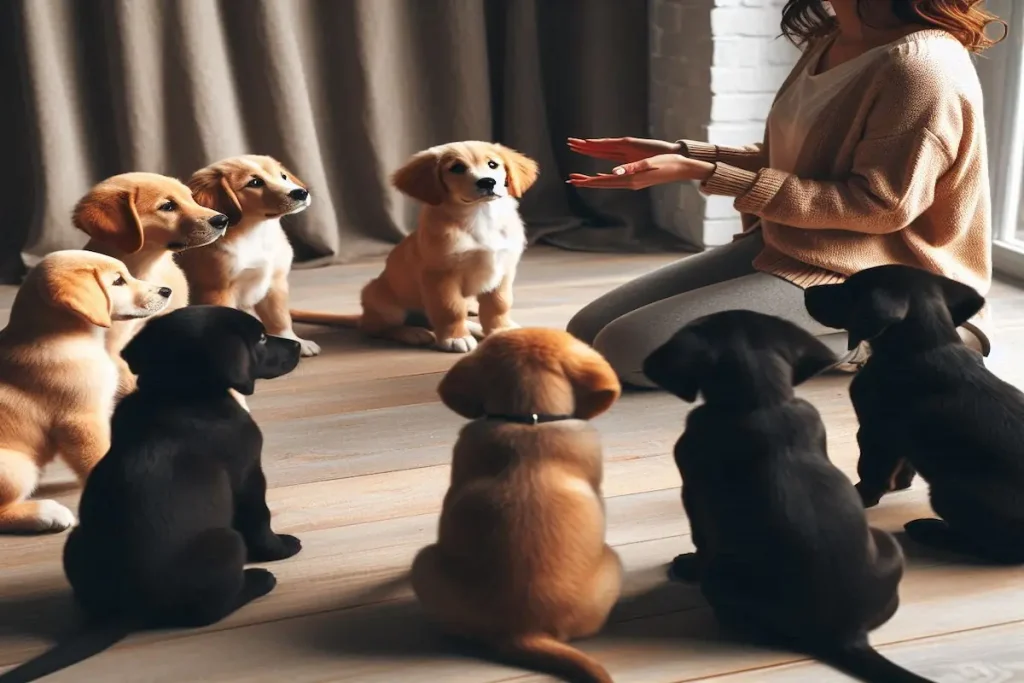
874,153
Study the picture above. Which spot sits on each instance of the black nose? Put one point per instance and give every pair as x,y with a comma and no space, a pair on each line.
165,292
220,221
298,194
486,183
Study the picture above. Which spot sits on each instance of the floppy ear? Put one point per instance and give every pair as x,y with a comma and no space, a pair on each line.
680,365
80,291
963,301
829,304
211,189
520,170
420,179
138,351
874,313
594,384
109,215
811,358
460,388
233,362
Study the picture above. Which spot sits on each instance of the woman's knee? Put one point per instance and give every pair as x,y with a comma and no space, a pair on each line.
625,343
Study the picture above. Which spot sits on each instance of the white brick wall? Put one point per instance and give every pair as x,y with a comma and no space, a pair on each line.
715,67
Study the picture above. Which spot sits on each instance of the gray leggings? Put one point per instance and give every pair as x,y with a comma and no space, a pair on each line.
631,321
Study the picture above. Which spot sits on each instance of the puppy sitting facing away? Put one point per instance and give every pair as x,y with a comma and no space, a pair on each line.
57,380
520,563
248,269
784,550
926,403
468,243
178,506
143,220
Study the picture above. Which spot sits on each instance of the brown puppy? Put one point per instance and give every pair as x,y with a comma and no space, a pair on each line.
468,243
248,269
57,379
520,563
143,219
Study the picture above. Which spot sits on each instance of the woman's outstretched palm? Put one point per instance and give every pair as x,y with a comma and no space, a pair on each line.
622,150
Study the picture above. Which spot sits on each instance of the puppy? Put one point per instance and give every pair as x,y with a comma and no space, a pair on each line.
926,403
784,550
520,563
248,269
468,244
143,219
57,381
178,506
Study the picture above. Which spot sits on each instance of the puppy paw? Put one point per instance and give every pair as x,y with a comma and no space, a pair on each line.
684,568
415,336
475,329
933,532
457,344
308,348
279,547
869,498
258,582
50,517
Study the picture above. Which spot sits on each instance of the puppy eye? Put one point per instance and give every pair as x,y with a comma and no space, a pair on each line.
458,169
120,281
255,182
492,164
284,176
168,206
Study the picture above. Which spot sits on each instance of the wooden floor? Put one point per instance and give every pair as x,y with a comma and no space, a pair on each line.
357,454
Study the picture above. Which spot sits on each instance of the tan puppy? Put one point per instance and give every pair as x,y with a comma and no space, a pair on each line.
248,269
520,561
143,219
57,378
468,243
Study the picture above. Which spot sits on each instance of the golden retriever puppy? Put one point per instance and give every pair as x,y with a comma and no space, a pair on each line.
57,378
520,562
468,244
143,219
248,269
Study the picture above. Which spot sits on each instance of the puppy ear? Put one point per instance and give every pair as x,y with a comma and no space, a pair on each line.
595,385
963,301
520,170
420,178
874,313
137,353
108,215
80,291
233,362
812,358
460,388
830,305
211,189
680,365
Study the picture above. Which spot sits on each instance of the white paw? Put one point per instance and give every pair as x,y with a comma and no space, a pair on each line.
309,348
475,329
457,344
52,516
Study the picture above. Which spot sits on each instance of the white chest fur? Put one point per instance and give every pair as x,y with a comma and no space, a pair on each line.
494,236
255,257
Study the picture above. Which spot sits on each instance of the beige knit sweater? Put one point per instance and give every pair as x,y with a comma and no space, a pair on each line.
894,171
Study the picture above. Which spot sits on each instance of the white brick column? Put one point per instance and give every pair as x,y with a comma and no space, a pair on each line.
715,68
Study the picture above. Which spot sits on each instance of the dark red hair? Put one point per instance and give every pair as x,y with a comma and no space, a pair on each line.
966,20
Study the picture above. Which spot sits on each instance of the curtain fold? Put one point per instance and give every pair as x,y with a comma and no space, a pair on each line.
341,91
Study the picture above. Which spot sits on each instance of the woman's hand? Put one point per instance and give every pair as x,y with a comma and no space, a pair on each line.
622,150
659,170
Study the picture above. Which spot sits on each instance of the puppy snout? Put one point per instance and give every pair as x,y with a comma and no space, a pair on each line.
298,194
486,183
165,292
219,222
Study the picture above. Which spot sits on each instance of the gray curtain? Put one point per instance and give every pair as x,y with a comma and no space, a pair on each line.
341,91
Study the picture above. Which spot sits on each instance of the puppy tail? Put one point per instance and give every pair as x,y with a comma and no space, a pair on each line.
863,662
89,642
331,319
543,653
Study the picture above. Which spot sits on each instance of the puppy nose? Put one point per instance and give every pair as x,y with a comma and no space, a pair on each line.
486,183
220,221
298,194
165,292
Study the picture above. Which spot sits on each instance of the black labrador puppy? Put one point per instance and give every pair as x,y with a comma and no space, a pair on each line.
784,551
926,403
177,507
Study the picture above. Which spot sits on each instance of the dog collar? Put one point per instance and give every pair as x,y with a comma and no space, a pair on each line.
531,419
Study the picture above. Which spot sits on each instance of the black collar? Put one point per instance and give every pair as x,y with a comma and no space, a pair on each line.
532,419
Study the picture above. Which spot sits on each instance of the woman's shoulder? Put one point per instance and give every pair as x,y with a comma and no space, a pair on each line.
931,60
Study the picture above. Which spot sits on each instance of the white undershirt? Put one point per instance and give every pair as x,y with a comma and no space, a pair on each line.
796,110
